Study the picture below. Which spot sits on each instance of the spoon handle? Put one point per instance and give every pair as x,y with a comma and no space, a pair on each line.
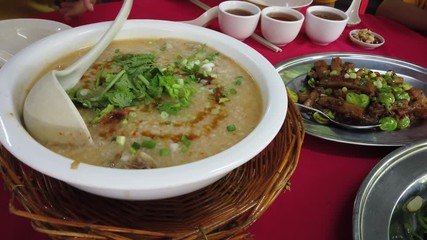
200,4
204,19
73,73
353,12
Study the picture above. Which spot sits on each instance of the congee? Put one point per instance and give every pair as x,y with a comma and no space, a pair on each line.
161,102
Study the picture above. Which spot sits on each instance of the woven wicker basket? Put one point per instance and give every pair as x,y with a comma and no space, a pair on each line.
223,210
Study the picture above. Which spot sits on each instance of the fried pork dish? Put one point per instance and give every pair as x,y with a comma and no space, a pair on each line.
362,96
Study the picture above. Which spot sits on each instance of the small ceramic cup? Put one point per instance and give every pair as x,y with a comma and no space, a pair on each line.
324,24
238,18
280,25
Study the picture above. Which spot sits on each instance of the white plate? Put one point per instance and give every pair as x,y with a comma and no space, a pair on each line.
17,34
296,4
365,45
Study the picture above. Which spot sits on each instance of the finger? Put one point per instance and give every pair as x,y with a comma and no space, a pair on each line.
88,4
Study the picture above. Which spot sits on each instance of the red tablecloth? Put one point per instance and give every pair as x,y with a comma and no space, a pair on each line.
320,203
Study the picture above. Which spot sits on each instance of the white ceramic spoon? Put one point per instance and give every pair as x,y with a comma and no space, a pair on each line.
49,114
353,13
204,19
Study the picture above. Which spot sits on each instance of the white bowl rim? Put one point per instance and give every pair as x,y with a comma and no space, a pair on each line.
28,29
17,141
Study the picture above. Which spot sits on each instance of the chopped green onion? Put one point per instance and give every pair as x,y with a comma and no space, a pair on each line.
124,121
231,128
231,91
238,81
164,115
311,82
164,152
403,96
148,144
75,164
378,84
132,115
333,73
404,123
406,86
185,141
361,100
414,204
387,99
134,147
330,115
353,75
293,95
223,100
320,118
388,124
121,140
104,112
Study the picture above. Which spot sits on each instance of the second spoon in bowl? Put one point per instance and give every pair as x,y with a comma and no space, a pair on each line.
302,107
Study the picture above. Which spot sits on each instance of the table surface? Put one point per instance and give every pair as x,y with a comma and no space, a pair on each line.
324,186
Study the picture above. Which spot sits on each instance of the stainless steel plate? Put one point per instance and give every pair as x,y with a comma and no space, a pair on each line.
294,71
399,176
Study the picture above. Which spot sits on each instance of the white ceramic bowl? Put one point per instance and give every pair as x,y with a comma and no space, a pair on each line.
363,44
21,32
18,33
140,184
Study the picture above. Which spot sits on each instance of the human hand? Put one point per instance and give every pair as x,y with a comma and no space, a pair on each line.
74,9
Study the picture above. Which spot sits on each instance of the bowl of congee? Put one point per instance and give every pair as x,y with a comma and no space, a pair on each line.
171,108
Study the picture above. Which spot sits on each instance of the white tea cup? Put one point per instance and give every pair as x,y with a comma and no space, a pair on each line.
280,25
324,24
238,19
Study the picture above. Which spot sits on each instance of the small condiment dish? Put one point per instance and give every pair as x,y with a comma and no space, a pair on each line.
365,38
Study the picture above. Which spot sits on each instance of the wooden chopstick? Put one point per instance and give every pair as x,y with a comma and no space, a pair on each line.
254,36
200,4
